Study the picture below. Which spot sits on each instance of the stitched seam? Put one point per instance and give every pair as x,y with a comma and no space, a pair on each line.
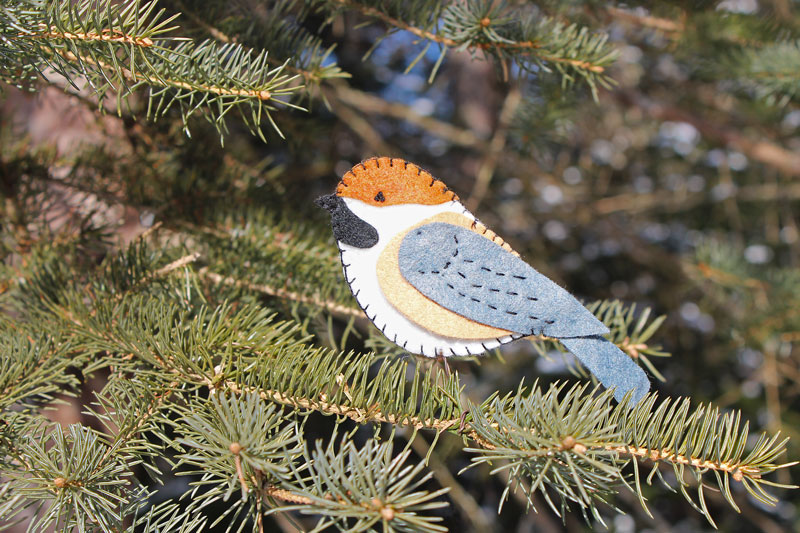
491,289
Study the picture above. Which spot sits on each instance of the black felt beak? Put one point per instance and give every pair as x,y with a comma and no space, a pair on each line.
328,202
347,227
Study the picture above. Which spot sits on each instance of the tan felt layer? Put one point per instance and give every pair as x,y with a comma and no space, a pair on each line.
419,308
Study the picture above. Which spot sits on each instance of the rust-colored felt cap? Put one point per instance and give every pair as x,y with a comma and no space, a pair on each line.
382,181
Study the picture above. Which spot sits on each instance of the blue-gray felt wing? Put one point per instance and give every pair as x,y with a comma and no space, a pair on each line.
478,279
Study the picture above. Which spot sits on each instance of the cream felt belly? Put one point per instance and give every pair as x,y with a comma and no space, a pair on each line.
417,307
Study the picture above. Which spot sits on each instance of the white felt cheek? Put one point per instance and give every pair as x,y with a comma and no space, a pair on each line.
392,219
360,270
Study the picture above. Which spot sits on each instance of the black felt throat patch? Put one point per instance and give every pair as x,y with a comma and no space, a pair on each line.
347,227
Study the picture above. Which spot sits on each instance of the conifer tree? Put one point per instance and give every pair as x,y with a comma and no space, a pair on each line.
181,353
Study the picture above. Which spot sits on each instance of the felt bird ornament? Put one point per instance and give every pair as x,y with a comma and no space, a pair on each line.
438,283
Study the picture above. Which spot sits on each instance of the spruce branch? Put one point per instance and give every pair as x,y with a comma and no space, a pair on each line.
127,413
34,367
114,36
367,484
770,71
365,488
121,47
667,434
280,27
540,439
765,296
500,31
357,414
597,438
240,432
62,471
332,307
574,442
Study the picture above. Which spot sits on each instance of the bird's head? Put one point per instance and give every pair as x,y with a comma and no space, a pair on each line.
379,182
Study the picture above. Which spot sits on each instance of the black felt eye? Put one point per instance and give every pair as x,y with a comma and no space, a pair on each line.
380,197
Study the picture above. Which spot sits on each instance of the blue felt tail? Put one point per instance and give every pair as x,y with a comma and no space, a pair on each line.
610,365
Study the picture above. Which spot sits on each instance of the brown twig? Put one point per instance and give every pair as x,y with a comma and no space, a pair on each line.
162,272
766,152
465,502
107,35
282,241
368,103
648,21
333,307
354,413
158,401
236,449
523,46
359,415
287,496
175,265
641,203
362,127
221,36
727,278
738,471
495,148
138,76
214,32
150,231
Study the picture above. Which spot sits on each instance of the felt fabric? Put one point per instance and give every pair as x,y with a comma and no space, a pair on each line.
359,266
417,307
347,227
385,181
480,229
482,281
612,367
